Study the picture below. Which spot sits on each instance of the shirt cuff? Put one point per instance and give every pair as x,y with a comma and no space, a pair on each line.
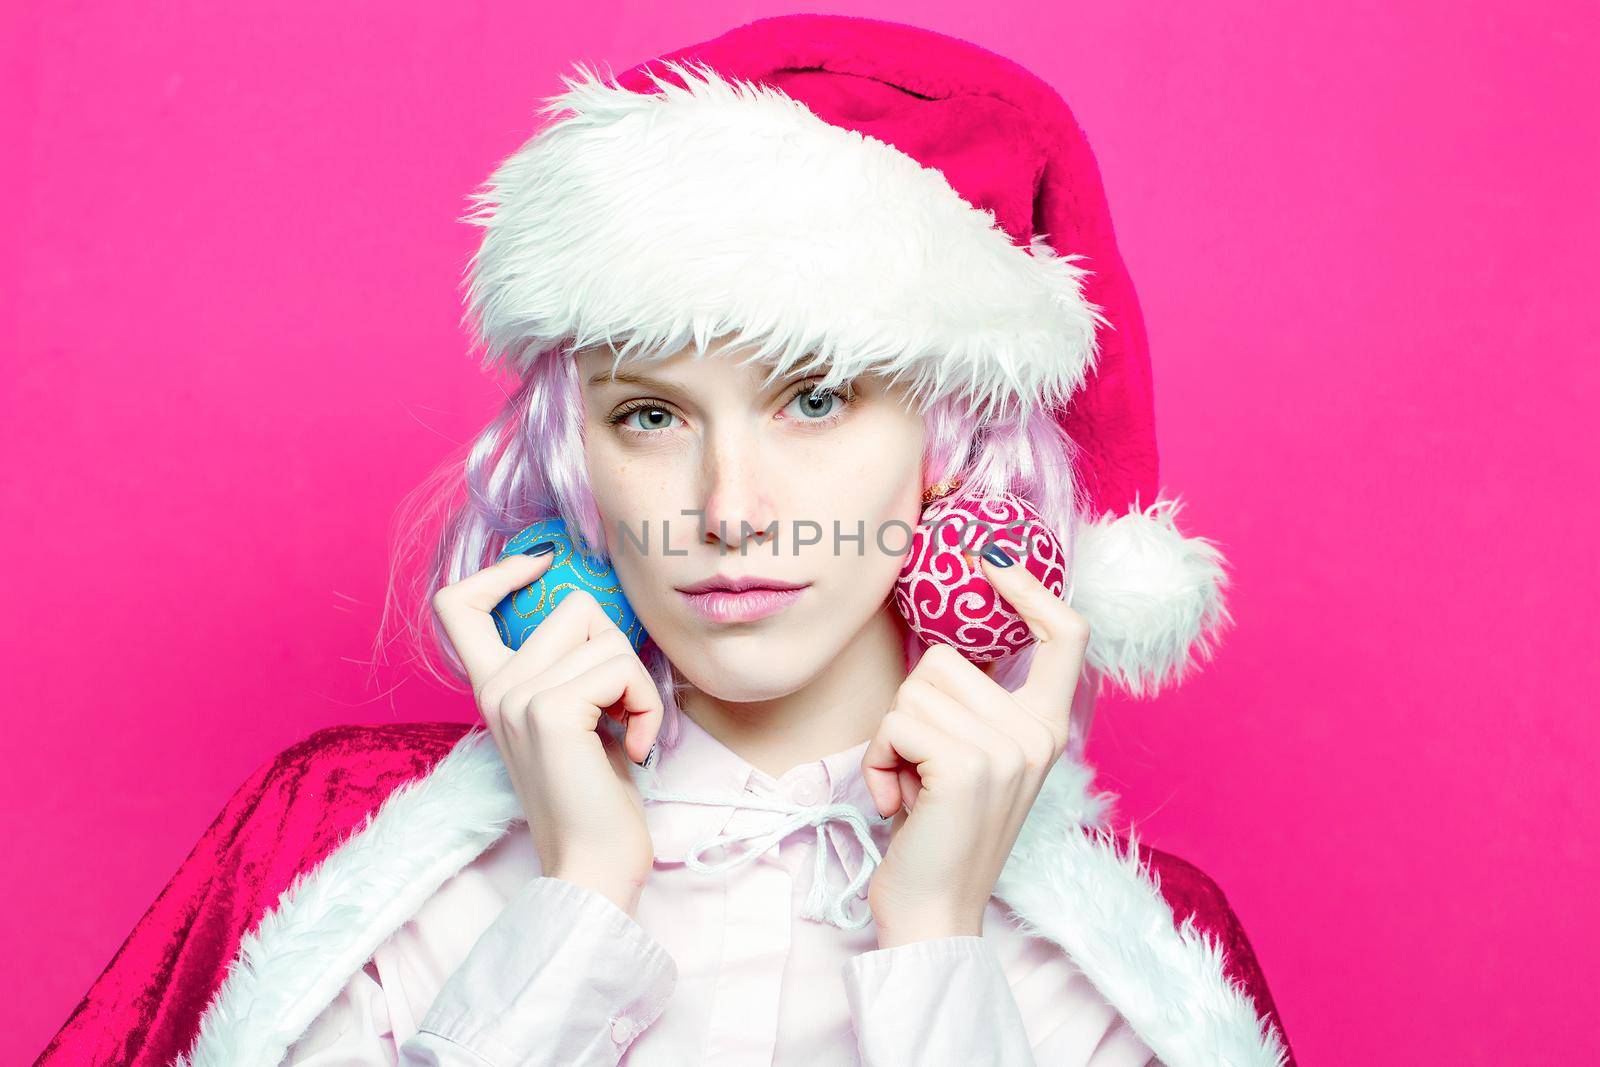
944,1000
562,976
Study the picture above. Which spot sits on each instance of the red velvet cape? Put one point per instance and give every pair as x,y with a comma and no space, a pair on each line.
145,1008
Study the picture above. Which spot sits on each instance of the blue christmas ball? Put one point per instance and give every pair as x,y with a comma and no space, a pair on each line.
519,613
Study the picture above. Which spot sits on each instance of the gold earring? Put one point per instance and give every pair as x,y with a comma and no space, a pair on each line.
940,491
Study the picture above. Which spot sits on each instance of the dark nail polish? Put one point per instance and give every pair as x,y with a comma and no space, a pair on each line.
998,556
543,548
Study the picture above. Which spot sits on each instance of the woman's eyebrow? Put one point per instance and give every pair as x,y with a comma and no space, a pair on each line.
629,378
645,381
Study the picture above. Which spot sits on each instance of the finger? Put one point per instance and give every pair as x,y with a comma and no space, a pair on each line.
518,692
640,731
932,705
576,621
616,756
900,739
950,672
604,645
562,646
910,787
1061,635
621,681
464,610
1039,737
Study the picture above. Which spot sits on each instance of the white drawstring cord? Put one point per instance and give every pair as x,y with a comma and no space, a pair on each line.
835,911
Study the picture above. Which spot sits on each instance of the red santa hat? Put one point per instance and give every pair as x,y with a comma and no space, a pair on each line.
848,196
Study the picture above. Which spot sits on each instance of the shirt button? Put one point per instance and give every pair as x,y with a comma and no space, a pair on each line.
622,1030
805,792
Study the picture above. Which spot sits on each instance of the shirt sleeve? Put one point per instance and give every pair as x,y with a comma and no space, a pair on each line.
948,1000
561,977
943,1000
353,1031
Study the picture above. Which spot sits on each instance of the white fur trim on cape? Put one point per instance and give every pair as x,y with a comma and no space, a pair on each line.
1152,596
651,220
1068,882
330,921
1065,880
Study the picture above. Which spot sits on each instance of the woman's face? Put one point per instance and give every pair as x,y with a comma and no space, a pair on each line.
700,474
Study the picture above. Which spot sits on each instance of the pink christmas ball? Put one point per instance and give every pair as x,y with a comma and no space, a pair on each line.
945,597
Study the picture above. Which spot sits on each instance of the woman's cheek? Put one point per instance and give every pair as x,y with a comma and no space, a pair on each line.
629,493
887,508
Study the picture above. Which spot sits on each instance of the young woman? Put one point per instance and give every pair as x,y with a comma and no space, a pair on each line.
781,293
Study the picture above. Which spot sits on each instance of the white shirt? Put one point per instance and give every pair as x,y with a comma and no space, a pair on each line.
504,967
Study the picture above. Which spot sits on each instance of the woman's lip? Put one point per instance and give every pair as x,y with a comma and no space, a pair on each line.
739,585
720,605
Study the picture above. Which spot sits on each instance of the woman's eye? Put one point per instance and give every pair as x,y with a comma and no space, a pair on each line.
815,404
650,418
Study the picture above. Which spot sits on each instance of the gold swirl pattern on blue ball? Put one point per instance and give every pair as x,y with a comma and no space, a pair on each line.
520,613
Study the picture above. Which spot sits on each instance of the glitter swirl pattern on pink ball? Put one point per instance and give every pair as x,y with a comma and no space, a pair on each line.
945,597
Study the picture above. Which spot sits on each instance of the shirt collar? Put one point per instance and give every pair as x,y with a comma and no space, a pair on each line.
700,764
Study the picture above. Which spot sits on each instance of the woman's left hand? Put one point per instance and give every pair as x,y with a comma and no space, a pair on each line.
959,760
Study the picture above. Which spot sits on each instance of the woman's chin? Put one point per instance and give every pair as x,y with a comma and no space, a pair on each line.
750,667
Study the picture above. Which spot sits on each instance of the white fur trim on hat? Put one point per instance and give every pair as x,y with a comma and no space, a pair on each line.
1152,596
657,219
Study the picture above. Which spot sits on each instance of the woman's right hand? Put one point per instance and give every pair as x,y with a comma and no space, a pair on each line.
543,704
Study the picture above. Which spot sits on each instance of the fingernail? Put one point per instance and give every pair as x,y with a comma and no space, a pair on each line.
998,556
543,548
647,756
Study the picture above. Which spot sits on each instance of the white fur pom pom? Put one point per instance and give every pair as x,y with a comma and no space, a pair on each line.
1152,596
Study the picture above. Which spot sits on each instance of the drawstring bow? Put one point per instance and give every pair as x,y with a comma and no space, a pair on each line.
796,816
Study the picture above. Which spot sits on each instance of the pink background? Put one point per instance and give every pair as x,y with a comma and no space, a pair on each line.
1364,237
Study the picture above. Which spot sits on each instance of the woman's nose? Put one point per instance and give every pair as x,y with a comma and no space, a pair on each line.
738,504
